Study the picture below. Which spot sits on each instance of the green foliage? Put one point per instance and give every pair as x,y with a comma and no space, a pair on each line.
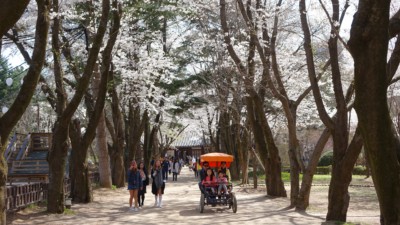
8,93
150,13
32,206
326,160
259,173
323,170
285,176
188,84
359,170
69,212
113,187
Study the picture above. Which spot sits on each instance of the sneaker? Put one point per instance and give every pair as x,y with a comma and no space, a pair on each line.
155,204
131,209
159,206
136,209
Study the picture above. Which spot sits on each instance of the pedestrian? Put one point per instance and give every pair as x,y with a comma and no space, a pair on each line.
170,165
134,184
198,168
175,170
145,180
158,185
165,167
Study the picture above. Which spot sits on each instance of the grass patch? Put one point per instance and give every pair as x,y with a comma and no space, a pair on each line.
113,187
323,179
32,206
69,212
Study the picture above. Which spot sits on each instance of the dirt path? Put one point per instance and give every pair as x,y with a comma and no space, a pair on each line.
181,206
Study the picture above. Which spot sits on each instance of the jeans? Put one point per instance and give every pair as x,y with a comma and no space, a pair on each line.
165,174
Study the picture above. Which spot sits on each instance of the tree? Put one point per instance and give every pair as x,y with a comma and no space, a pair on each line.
10,13
80,182
371,31
344,154
254,103
21,102
59,148
116,150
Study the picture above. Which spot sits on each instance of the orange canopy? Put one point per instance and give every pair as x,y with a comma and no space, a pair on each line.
214,159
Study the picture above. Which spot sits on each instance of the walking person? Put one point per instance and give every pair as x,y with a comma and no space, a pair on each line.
175,170
134,184
170,165
158,185
165,167
145,180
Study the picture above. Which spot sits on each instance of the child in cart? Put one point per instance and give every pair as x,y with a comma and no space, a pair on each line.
222,182
210,181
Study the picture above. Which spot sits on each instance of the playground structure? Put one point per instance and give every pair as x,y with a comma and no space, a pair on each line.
26,157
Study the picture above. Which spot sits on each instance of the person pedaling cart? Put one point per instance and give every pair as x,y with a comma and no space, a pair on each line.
215,184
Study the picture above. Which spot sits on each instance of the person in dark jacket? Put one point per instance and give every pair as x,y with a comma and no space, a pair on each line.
165,168
158,185
145,181
134,184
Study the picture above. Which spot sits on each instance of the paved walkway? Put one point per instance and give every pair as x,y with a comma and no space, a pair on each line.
180,206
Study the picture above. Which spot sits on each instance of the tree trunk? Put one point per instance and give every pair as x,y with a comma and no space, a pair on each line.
17,109
275,184
81,188
102,151
136,128
118,169
294,175
117,150
10,12
266,148
302,201
369,47
57,159
147,145
255,170
243,152
3,181
59,148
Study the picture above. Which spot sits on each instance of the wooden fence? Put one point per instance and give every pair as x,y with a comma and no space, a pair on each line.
20,196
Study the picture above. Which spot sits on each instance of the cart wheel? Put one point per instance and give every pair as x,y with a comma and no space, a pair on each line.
201,203
234,203
229,200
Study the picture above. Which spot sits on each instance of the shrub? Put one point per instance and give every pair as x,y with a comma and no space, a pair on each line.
260,172
359,170
323,170
326,160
